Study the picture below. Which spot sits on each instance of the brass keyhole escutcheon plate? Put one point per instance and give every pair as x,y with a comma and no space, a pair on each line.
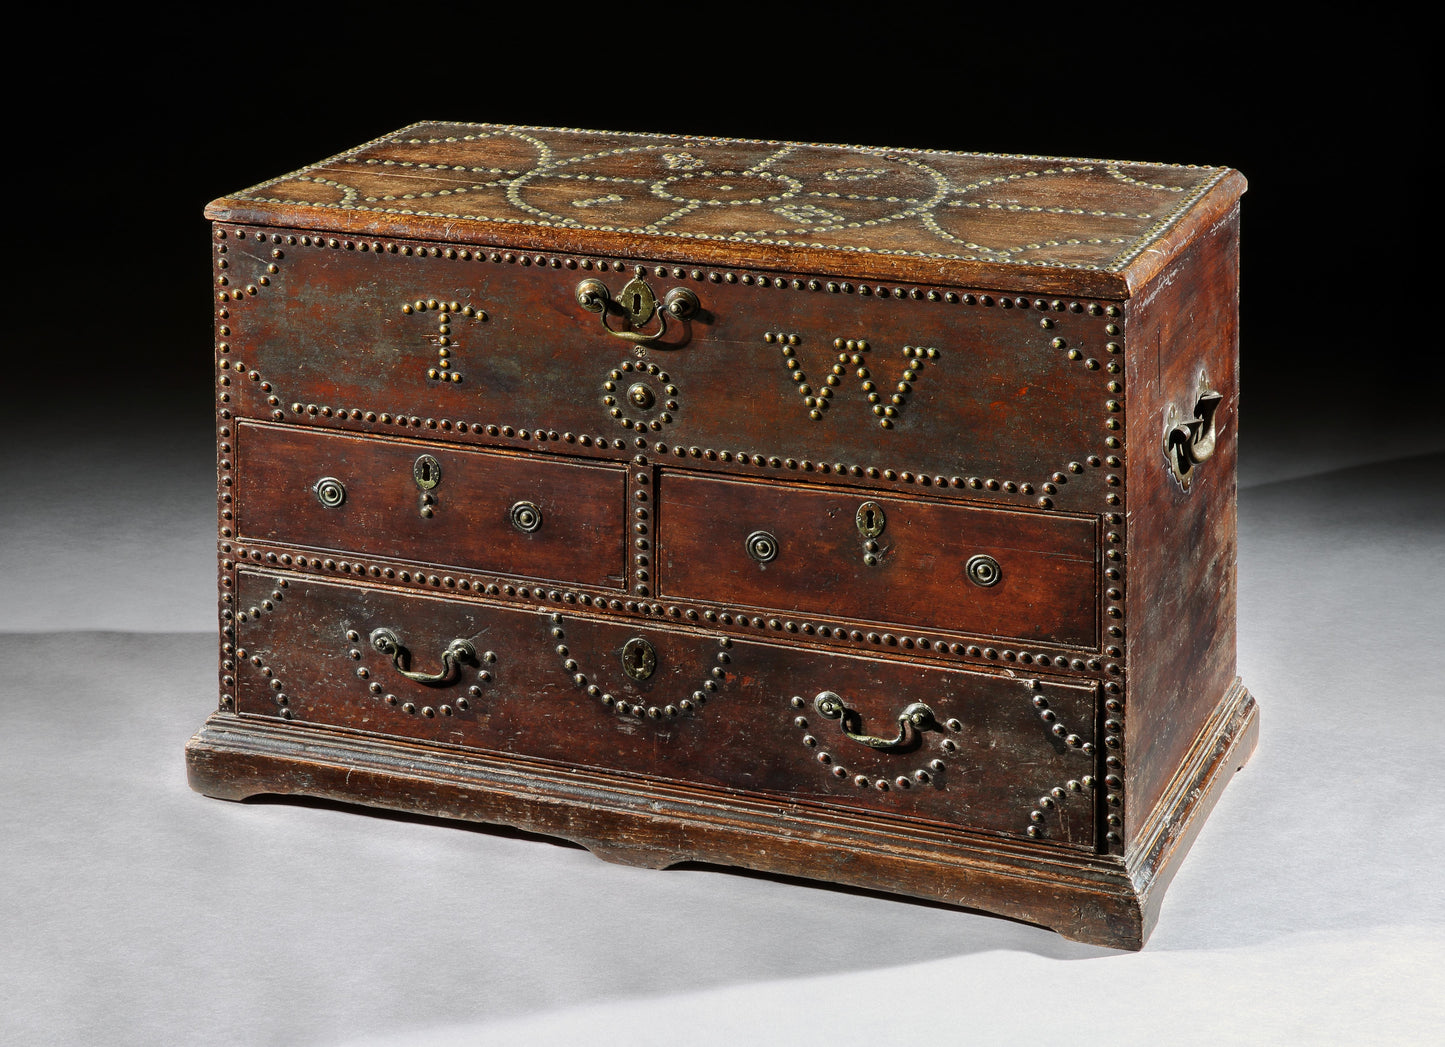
639,658
638,301
427,472
871,520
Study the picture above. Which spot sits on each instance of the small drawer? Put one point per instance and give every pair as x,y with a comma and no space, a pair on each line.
898,739
539,518
862,556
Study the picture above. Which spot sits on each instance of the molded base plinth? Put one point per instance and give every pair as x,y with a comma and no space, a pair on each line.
1101,900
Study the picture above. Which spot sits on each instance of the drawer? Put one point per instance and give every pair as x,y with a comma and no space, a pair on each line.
548,519
985,752
866,379
863,556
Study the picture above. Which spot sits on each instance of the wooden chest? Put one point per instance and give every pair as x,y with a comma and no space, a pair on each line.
858,514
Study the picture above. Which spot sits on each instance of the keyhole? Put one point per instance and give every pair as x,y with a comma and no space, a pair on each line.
870,519
427,472
639,658
636,303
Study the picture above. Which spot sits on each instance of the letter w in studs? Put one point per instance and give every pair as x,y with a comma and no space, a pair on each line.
886,401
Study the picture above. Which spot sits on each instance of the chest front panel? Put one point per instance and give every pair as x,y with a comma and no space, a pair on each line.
860,380
732,714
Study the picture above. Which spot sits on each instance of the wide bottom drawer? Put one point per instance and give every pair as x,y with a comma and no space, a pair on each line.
892,737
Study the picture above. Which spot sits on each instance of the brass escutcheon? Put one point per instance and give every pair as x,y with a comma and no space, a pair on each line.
870,519
638,301
427,472
639,658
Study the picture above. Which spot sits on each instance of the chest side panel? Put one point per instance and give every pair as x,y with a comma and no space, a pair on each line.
1183,540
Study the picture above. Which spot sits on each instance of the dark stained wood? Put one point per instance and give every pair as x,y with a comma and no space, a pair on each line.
1183,544
1047,590
468,522
316,666
985,347
1080,226
654,825
337,338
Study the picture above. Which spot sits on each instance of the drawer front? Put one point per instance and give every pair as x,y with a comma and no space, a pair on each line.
856,555
985,752
543,518
1015,393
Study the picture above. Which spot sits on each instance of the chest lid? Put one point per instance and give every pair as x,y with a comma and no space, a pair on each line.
1071,226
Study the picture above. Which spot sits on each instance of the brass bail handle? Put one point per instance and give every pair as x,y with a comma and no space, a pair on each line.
1190,441
637,305
458,651
912,720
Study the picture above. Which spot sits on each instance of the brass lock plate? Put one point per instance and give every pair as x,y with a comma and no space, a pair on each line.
639,658
427,472
871,520
638,301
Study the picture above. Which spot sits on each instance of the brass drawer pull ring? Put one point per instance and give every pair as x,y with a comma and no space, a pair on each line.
329,491
458,651
983,570
762,546
526,517
913,720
